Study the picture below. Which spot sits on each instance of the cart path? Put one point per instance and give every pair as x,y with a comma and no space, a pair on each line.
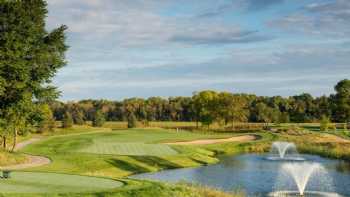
32,160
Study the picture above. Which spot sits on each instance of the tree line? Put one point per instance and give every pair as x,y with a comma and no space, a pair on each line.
208,107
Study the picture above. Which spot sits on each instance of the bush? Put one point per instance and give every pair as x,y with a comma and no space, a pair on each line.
99,119
67,121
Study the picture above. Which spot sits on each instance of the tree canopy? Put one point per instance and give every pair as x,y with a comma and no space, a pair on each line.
30,56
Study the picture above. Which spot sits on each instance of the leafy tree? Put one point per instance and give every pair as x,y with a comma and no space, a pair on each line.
205,103
233,108
99,119
324,124
29,58
67,121
78,118
342,101
132,121
44,118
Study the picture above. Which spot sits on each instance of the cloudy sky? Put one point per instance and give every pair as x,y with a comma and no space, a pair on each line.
142,48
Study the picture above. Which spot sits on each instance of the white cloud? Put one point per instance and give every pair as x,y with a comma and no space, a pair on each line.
325,19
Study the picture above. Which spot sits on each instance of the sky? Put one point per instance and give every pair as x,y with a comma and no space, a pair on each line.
142,48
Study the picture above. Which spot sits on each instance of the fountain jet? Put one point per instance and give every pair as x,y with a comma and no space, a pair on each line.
284,151
295,178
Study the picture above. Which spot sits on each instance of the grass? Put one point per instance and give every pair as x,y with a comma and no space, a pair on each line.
129,149
142,189
120,153
7,158
33,182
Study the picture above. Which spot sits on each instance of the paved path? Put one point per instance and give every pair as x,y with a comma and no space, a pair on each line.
32,160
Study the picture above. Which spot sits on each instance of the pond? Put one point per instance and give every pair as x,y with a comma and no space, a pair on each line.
258,176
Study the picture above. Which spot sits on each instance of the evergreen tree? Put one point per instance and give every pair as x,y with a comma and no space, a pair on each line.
29,58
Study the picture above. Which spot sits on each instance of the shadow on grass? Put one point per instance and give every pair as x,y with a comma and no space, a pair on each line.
157,161
127,166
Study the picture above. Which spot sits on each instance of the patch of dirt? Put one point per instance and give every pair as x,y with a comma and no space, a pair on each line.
32,161
243,138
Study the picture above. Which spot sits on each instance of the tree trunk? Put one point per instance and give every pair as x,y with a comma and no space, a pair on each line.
14,140
4,142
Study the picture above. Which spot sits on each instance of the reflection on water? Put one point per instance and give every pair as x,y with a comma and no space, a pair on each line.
343,167
250,172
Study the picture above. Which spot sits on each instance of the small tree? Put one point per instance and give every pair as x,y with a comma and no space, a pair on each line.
324,124
79,118
132,121
67,121
46,121
99,119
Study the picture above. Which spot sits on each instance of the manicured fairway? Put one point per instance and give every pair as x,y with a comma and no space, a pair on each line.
32,182
129,149
121,153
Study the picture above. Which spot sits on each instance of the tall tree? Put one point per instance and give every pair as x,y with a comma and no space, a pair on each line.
29,58
99,119
206,105
342,101
67,121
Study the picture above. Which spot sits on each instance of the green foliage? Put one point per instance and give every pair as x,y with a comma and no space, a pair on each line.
342,101
29,58
78,118
324,124
44,118
132,121
99,119
215,108
67,121
205,103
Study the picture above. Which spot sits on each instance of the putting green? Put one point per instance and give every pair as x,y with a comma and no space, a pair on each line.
33,182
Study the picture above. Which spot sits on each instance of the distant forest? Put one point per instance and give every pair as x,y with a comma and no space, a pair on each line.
210,106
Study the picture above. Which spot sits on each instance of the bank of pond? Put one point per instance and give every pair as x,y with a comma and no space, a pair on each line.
272,174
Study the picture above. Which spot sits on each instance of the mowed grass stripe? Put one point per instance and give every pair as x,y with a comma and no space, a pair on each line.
136,149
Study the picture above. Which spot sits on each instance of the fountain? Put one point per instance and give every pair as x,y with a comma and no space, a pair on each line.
294,178
284,151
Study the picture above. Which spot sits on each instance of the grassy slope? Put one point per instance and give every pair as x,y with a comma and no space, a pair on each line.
64,151
61,150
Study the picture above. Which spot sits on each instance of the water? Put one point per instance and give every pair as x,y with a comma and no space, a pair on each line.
255,175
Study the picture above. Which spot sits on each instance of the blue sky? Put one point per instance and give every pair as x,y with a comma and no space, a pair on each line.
142,48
